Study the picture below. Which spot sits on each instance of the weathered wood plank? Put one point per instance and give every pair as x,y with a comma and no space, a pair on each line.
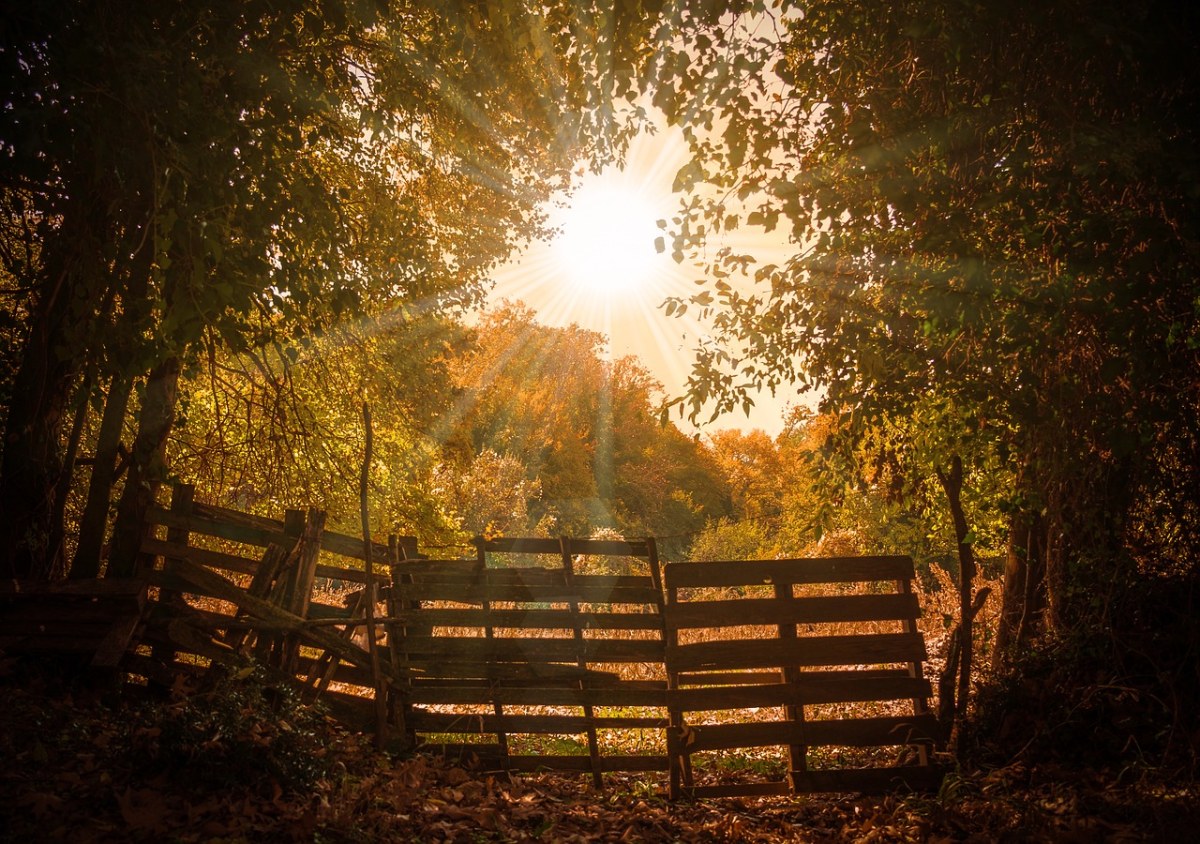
505,672
461,722
200,556
236,563
456,648
583,764
804,692
248,534
740,789
515,593
809,651
598,547
796,571
48,612
531,577
222,588
490,757
224,514
850,732
729,678
351,546
875,732
534,619
478,695
116,588
807,610
116,642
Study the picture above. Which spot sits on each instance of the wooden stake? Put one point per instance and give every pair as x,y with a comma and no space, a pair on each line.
952,485
372,647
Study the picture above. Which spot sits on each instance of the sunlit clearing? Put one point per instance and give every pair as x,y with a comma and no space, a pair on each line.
606,245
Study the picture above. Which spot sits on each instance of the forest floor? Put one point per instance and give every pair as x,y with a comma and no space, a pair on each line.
244,764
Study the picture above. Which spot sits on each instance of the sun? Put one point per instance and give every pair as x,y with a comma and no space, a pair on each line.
606,242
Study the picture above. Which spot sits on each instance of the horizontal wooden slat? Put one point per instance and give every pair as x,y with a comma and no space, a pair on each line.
802,693
873,732
772,572
457,722
814,610
247,534
469,593
110,589
533,578
535,619
200,556
469,571
463,648
594,680
351,546
602,547
341,573
237,516
728,678
477,695
582,764
735,789
490,757
806,651
211,511
82,640
44,612
504,672
851,732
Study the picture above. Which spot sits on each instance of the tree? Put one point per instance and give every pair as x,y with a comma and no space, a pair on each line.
260,432
992,211
584,428
251,173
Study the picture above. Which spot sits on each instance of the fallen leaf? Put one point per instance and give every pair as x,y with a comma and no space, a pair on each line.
143,810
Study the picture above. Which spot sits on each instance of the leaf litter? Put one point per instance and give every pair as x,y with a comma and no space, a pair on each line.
103,768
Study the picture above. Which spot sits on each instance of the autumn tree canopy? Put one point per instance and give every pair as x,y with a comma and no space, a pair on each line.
993,214
181,178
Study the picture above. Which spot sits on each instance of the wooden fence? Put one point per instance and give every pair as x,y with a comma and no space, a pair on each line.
232,585
783,665
547,654
502,662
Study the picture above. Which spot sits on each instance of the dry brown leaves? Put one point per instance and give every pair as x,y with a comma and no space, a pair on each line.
71,773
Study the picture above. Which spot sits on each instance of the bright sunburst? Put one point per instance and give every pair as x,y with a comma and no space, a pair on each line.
606,245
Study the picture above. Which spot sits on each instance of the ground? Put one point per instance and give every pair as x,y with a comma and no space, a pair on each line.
245,763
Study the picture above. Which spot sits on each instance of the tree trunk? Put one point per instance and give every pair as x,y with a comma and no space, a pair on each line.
952,485
94,521
32,463
1024,587
57,556
147,467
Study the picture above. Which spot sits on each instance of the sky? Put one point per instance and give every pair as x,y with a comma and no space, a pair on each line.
603,272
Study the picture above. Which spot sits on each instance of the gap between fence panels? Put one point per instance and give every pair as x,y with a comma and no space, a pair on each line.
573,655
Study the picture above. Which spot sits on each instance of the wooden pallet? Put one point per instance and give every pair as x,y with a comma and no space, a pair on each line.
775,657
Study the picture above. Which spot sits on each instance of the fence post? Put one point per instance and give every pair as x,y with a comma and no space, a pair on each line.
182,499
678,765
398,550
267,647
920,705
299,595
797,753
489,634
589,712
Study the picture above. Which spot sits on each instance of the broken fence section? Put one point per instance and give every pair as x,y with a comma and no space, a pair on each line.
533,654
